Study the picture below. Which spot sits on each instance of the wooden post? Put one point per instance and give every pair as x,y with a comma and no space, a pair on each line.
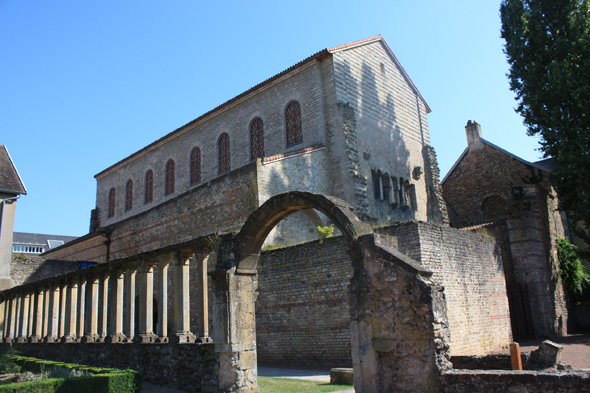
515,356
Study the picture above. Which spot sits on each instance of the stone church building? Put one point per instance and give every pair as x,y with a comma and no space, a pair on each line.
493,190
346,122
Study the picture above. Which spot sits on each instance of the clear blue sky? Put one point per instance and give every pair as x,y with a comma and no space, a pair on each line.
84,84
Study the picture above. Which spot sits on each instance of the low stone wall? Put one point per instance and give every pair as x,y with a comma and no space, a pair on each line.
191,367
495,381
26,270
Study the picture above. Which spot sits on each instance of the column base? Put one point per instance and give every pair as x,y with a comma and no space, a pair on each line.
21,339
162,340
129,339
205,340
70,338
182,338
35,339
145,338
90,338
9,340
116,338
50,339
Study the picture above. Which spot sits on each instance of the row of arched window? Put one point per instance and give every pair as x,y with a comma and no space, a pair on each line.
294,136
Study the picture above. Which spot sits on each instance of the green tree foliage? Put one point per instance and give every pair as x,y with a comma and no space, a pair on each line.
548,49
573,274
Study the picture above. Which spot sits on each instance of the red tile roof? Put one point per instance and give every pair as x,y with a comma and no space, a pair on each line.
10,181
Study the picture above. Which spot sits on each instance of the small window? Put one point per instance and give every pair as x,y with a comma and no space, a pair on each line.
170,169
195,168
376,178
385,187
111,202
149,186
293,123
256,139
129,195
224,153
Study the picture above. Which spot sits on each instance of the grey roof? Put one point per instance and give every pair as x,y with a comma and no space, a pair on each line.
544,165
10,181
49,241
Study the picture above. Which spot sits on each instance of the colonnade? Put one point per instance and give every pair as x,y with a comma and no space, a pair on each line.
76,307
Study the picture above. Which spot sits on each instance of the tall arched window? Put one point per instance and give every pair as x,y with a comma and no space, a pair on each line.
256,139
170,168
224,154
111,202
293,123
149,187
195,165
129,195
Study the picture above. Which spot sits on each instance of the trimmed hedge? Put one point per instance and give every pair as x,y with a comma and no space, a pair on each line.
104,380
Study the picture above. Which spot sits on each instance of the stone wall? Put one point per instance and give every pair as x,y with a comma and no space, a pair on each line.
469,267
24,270
191,367
302,312
385,127
87,248
309,315
496,381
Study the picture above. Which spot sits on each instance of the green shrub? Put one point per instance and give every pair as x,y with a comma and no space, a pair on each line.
7,362
325,232
99,380
575,278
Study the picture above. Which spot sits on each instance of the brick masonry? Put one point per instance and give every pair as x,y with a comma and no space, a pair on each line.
302,312
515,201
24,270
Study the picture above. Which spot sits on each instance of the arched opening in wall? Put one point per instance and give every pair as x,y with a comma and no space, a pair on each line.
494,208
302,310
298,228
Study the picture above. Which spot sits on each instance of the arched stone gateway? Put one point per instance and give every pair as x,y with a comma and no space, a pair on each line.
399,330
263,220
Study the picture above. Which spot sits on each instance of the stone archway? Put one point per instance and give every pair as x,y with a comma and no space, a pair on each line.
263,220
399,329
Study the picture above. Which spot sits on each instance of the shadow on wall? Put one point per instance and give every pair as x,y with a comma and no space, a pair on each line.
25,270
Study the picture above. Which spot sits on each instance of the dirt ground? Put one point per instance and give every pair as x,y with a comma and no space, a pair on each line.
576,349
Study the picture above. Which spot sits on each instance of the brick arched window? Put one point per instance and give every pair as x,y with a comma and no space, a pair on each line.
149,187
170,169
195,168
129,195
256,138
293,123
224,154
111,202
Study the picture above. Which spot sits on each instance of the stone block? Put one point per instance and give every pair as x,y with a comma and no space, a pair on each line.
341,376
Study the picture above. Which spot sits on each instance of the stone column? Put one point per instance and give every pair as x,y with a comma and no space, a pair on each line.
52,335
82,308
146,302
18,320
46,311
92,314
31,314
202,259
182,299
38,334
9,336
4,310
163,263
62,310
104,310
72,307
24,318
130,301
118,279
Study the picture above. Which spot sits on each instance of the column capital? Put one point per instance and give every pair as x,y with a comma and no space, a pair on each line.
181,258
164,259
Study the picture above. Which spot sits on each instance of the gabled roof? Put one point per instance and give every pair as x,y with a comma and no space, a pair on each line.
543,165
50,241
10,181
317,56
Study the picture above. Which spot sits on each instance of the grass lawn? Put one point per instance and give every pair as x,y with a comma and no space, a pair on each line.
286,385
